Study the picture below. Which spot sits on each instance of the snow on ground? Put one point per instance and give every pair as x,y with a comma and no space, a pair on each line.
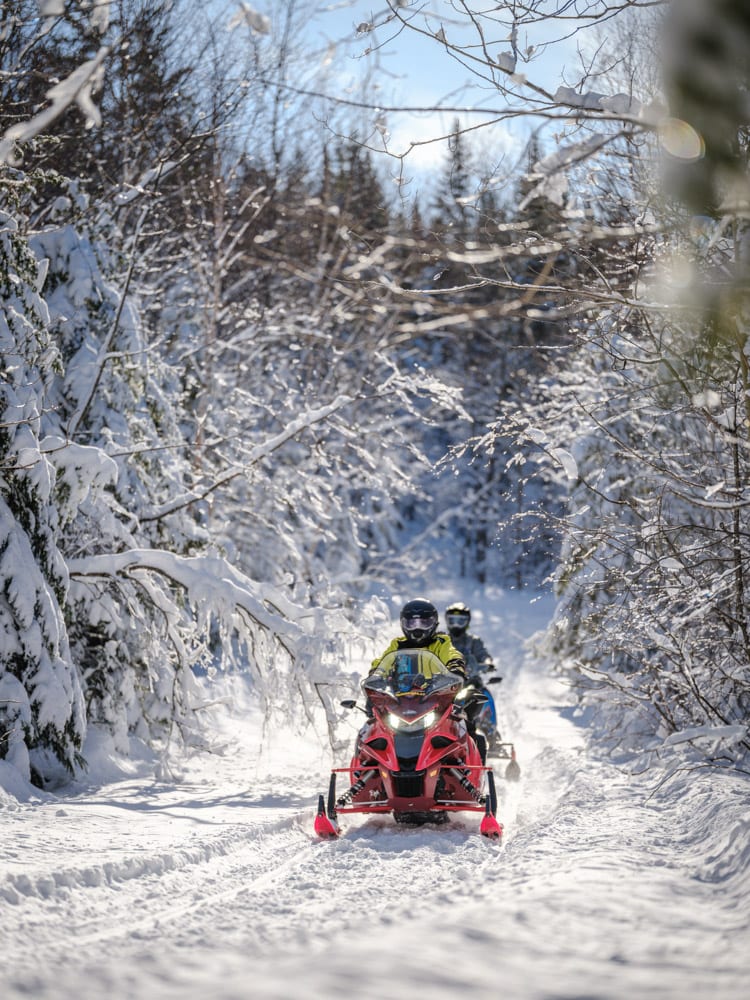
213,886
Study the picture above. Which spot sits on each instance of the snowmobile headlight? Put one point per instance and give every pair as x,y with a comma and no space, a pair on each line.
403,725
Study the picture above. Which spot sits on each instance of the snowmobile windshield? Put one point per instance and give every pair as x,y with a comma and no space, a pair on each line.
410,671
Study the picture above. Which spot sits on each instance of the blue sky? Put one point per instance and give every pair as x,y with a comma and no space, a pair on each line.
417,71
410,70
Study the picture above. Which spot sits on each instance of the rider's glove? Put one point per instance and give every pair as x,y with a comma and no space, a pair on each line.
457,667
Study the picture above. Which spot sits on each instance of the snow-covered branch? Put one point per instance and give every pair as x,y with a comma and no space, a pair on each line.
213,586
255,455
77,88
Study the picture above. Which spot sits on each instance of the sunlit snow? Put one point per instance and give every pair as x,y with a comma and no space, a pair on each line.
212,884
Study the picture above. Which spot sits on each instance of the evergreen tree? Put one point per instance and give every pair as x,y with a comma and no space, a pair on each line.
453,214
41,704
119,455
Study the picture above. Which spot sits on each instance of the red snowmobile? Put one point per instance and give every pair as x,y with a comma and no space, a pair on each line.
414,757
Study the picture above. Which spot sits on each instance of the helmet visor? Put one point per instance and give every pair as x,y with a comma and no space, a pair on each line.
457,619
417,621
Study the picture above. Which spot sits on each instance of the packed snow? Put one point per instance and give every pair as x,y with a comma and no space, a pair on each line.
211,884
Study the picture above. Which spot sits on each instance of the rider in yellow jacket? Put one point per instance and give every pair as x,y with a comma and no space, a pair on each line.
419,621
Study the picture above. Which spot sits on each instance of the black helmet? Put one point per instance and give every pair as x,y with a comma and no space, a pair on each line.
419,621
457,618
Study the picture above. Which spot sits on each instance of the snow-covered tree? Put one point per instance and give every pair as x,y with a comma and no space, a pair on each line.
642,412
41,703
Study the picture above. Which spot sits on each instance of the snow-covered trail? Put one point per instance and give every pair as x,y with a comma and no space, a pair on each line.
215,887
